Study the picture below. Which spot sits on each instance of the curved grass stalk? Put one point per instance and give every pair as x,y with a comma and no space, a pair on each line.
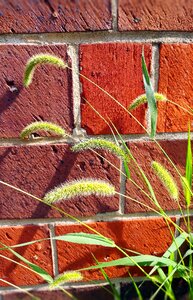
39,126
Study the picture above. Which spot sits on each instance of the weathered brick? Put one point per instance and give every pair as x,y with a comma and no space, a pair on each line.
91,293
175,77
145,153
48,98
38,253
156,15
38,169
54,16
115,67
142,235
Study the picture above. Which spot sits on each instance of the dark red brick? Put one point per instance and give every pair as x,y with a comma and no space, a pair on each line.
38,253
48,98
54,16
142,235
91,293
175,77
39,169
145,153
115,67
156,15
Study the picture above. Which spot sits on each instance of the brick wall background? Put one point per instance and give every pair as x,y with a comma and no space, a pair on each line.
103,39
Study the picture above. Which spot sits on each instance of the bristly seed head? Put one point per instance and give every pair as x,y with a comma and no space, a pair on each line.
143,99
103,145
38,59
70,276
83,187
45,126
166,179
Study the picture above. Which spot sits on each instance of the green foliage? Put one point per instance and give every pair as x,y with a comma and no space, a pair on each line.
150,97
39,59
84,187
166,179
41,126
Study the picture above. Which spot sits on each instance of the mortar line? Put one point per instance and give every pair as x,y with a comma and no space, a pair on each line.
98,37
73,51
8,142
74,285
122,190
106,217
114,13
54,250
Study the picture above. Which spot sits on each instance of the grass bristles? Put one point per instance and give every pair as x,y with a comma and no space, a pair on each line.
103,145
143,99
166,179
38,59
70,276
41,126
82,187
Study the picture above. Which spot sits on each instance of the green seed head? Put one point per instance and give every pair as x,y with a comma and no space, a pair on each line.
70,276
101,144
143,99
38,59
84,187
167,179
39,126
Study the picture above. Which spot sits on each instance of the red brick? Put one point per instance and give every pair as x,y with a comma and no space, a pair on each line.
91,293
54,16
175,77
115,67
145,153
156,15
38,169
48,95
38,253
142,235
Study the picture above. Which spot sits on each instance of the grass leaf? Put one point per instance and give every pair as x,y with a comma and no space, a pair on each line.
188,186
150,97
41,272
86,238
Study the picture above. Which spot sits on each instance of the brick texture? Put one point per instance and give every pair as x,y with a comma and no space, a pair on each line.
145,153
91,293
38,253
142,235
54,16
156,15
115,67
42,100
175,81
39,169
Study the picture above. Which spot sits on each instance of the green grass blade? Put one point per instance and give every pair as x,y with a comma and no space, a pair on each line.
41,272
85,238
136,288
150,97
188,170
142,260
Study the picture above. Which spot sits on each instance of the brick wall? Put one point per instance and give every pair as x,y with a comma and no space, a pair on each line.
103,40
